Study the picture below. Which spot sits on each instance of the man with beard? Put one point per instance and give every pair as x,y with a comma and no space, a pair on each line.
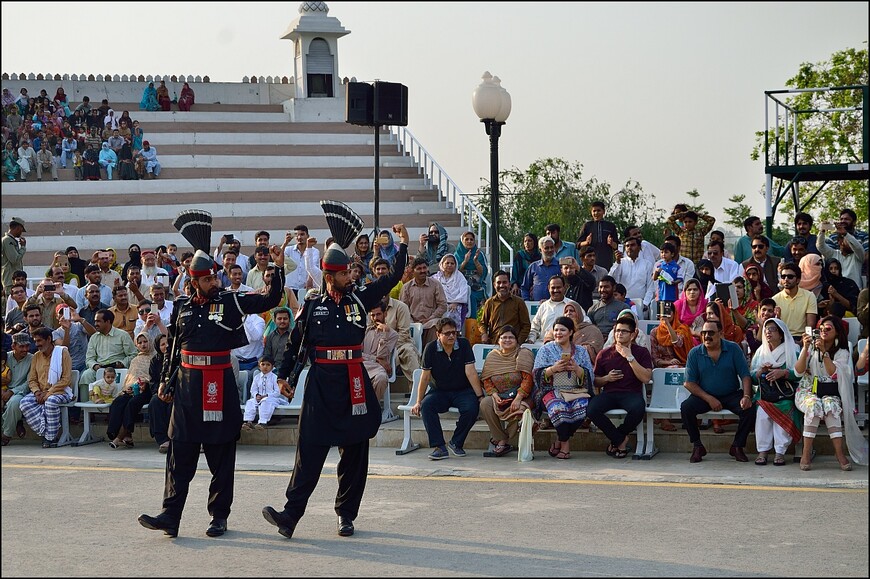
340,406
152,274
205,401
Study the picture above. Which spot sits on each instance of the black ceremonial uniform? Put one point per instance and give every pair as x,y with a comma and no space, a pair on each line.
206,334
327,418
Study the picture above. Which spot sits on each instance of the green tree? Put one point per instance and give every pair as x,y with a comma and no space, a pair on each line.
737,212
695,205
828,138
554,190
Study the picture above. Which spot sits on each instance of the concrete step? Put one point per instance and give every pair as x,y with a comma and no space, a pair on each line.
331,163
242,171
247,150
194,117
235,139
232,125
133,108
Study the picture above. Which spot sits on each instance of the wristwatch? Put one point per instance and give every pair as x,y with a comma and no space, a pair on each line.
629,359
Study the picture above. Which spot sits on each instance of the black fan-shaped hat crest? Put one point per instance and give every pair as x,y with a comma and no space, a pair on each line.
344,223
195,226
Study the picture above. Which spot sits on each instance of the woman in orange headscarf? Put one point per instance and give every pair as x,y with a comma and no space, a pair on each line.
670,343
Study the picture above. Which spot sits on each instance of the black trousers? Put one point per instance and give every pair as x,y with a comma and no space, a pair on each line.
124,410
632,402
181,461
693,406
158,419
352,472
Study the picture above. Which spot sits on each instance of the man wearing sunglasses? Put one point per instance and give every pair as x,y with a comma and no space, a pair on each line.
768,263
798,307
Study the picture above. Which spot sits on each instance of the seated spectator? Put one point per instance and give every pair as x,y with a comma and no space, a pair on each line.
707,278
135,393
522,260
472,264
671,342
26,160
91,163
563,385
798,307
719,312
619,296
839,294
449,362
109,346
456,290
826,393
508,382
849,251
760,290
425,299
136,137
104,390
378,345
14,320
534,286
163,96
116,141
434,246
49,383
108,160
744,312
68,147
604,312
641,339
275,343
765,310
11,168
158,410
797,248
125,119
549,310
591,268
621,374
110,121
47,299
812,274
717,235
717,377
149,321
776,421
186,98
248,356
398,316
149,154
149,99
288,300
126,314
581,285
45,161
151,273
723,268
687,266
73,333
769,264
265,397
586,333
78,164
18,361
364,255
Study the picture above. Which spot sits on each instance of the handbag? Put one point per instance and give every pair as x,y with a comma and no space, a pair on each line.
776,390
822,388
508,396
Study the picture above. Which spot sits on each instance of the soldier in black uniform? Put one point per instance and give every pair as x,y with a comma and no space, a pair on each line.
205,403
340,407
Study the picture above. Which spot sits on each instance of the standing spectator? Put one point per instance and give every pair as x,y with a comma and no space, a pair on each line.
523,259
563,248
49,383
848,219
743,248
186,99
503,309
621,372
581,284
761,257
537,277
826,393
306,256
472,265
599,234
14,248
849,251
717,377
668,275
149,99
803,224
691,229
456,384
798,307
149,154
425,299
434,246
635,273
456,290
687,266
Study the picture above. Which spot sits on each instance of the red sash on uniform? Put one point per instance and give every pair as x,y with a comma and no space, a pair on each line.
350,356
212,382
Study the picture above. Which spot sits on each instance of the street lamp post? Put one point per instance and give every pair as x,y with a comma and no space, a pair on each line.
492,104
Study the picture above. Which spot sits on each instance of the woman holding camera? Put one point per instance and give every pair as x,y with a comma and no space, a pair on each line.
772,369
507,380
825,392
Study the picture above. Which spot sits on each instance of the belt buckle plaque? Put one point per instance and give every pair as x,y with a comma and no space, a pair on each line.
200,360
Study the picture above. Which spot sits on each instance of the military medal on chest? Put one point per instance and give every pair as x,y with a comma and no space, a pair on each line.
216,312
352,313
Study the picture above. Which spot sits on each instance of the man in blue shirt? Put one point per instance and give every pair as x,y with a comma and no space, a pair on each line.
535,283
717,377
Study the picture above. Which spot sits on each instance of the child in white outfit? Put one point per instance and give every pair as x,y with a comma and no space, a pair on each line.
265,395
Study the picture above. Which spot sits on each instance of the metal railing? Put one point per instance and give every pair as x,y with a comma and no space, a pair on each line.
471,217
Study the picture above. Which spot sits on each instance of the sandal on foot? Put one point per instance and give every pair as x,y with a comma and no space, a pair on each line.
779,460
668,426
846,467
806,466
563,455
762,459
128,443
622,452
554,450
611,450
503,449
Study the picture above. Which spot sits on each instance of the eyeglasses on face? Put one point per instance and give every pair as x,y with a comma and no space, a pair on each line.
708,332
620,331
449,333
143,312
787,276
758,246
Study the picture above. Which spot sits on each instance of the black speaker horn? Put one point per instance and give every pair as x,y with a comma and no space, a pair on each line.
360,104
390,104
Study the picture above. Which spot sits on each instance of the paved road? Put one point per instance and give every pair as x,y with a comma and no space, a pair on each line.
591,515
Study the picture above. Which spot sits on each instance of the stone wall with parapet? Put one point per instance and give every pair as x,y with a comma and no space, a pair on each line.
129,88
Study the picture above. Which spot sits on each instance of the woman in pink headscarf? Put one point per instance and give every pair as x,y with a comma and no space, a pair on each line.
811,273
185,101
691,305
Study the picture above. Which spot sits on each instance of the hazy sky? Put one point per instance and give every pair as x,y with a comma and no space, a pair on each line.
666,94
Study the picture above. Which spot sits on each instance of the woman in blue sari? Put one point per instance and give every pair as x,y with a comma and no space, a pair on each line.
563,385
149,99
472,265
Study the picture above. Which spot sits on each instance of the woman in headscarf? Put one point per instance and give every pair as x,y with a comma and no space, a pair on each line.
113,261
840,294
108,160
10,161
136,393
149,99
777,423
523,259
641,339
670,342
586,333
472,265
744,313
91,163
812,275
690,306
760,289
159,411
111,121
363,254
7,99
434,246
125,118
135,253
455,290
138,135
62,102
23,102
705,274
163,96
185,100
126,168
387,248
507,381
